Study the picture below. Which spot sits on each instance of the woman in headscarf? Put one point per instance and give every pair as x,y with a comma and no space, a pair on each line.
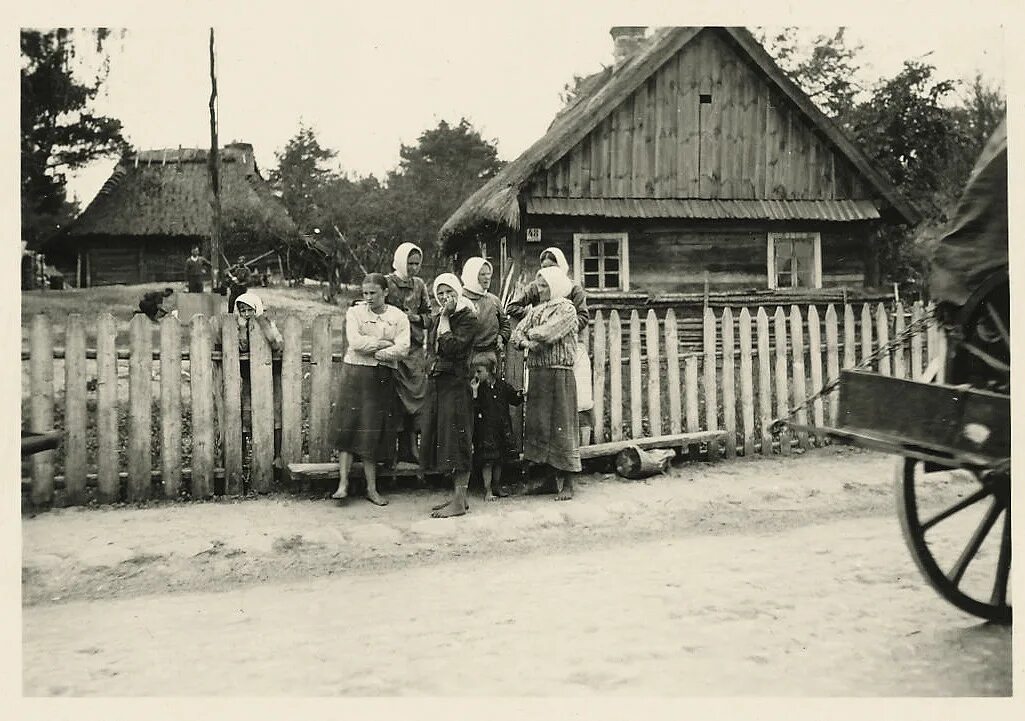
250,318
492,322
408,293
378,337
446,441
554,257
548,334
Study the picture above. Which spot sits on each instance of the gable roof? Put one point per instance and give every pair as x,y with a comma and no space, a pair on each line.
166,192
498,200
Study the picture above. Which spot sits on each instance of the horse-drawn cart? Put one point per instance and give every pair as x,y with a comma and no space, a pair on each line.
955,435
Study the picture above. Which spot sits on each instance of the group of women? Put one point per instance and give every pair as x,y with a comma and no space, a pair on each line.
416,368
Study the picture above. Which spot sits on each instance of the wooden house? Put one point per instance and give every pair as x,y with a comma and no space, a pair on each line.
155,207
693,167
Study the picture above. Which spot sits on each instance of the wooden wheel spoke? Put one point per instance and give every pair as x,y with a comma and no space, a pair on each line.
986,358
974,543
999,597
959,506
999,323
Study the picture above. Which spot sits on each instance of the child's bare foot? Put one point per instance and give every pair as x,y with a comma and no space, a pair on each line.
339,494
377,499
450,509
489,496
564,488
446,503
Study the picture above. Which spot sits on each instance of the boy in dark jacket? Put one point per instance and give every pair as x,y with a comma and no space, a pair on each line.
492,425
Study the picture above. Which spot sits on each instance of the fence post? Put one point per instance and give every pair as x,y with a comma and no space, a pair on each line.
654,375
231,422
899,326
108,445
764,380
320,387
201,370
41,349
140,399
291,391
673,371
598,376
711,399
261,383
883,334
866,332
832,362
917,367
815,356
690,372
170,406
74,412
636,423
747,403
800,393
782,392
615,377
850,357
729,384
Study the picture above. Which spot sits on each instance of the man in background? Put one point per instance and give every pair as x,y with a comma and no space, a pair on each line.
195,270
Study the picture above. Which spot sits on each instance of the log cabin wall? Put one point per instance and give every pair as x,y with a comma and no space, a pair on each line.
111,261
706,124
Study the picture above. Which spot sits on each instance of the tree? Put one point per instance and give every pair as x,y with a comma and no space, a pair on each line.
301,176
59,129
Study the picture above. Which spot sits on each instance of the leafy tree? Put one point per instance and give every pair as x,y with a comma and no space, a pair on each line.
59,129
301,175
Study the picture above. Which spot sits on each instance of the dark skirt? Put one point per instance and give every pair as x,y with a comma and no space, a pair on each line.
446,441
551,433
366,416
411,381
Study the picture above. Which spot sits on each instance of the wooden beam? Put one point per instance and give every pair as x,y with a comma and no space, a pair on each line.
675,440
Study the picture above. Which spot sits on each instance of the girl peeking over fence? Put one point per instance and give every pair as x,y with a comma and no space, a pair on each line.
250,318
493,442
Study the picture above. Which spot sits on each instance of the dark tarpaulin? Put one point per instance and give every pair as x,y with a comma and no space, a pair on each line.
975,243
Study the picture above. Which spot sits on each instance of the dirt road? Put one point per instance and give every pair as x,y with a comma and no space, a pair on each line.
779,577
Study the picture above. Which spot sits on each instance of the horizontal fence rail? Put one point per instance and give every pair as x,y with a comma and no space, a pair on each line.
157,412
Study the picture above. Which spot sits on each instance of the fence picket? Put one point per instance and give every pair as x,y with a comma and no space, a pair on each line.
231,421
711,400
917,367
291,391
883,337
782,391
799,385
690,374
747,404
615,377
899,326
815,356
107,441
850,358
320,384
140,405
217,383
832,362
598,361
729,387
654,375
201,370
764,381
41,348
74,412
866,333
261,464
636,422
170,406
673,371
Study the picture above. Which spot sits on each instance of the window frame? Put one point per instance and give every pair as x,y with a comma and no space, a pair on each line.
814,236
624,260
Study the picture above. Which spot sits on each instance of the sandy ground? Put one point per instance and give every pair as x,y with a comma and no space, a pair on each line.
768,577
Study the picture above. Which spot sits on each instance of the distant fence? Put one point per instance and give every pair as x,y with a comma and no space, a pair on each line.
157,413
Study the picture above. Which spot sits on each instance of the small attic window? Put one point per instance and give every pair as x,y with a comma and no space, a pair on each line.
705,98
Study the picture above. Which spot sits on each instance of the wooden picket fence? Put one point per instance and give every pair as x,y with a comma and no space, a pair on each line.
162,417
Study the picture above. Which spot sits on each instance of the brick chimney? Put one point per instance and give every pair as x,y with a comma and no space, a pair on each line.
626,40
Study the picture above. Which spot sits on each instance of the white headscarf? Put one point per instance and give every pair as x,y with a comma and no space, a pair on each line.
252,300
560,258
557,280
471,274
462,302
400,260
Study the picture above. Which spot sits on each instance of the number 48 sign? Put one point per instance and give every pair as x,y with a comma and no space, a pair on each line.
533,235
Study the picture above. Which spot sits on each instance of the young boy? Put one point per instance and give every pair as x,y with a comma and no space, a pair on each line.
492,426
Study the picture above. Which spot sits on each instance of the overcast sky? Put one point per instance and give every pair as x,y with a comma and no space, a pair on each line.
370,80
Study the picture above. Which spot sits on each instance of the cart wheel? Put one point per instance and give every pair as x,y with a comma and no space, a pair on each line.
976,579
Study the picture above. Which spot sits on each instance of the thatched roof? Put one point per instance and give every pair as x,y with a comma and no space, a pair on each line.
498,201
167,193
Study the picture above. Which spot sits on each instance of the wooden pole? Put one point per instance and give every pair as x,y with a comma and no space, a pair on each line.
215,182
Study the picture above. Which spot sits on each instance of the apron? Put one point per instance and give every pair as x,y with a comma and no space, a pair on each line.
582,375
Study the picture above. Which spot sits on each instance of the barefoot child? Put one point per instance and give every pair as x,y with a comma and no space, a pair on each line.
492,426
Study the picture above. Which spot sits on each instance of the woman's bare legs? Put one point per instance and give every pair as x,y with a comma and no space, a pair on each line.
344,464
370,471
458,505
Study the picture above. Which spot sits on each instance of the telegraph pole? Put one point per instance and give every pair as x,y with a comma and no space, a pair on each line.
215,171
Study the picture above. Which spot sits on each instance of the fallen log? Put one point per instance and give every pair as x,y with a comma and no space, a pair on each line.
635,463
676,440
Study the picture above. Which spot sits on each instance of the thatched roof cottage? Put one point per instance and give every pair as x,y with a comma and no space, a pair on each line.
156,206
693,160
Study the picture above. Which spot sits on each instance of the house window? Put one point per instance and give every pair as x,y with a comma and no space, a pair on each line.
795,260
601,261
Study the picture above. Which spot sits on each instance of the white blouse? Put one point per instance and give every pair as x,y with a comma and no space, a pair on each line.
363,327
